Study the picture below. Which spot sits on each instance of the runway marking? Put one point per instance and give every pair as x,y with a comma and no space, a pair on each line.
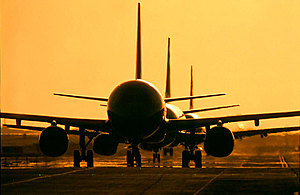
150,186
283,162
203,187
43,177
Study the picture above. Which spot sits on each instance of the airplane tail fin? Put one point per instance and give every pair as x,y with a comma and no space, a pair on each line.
138,74
168,81
191,89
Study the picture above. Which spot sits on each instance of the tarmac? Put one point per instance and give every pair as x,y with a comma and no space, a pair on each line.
234,175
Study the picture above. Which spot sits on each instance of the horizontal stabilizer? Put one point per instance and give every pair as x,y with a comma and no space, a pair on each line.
209,109
192,97
82,97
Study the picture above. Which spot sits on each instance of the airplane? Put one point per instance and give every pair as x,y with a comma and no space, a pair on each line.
136,114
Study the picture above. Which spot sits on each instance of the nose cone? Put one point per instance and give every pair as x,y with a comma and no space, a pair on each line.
135,99
135,108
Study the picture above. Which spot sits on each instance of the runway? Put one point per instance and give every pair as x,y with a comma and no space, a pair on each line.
242,177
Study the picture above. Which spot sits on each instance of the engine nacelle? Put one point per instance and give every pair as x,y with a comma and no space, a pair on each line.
219,142
104,144
54,141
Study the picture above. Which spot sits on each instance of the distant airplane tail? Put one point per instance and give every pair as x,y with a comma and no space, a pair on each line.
168,79
138,74
191,89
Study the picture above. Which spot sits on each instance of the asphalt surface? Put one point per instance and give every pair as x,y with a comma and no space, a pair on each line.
234,175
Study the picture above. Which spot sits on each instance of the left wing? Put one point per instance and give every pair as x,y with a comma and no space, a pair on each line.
177,124
92,124
263,132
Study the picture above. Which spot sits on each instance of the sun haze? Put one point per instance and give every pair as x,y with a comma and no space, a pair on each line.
247,49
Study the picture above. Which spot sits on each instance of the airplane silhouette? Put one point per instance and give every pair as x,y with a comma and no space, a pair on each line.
137,114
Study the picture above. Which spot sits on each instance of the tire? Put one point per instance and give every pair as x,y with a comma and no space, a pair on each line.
129,158
171,151
198,159
90,158
158,158
138,160
185,159
154,157
77,158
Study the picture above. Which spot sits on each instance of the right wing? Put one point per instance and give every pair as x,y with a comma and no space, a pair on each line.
91,124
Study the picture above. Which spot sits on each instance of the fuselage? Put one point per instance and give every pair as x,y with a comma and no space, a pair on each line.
136,109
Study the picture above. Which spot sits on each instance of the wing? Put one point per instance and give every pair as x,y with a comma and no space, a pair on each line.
263,132
192,97
92,124
82,97
177,124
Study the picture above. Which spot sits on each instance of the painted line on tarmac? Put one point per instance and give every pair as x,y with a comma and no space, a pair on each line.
46,176
203,187
283,162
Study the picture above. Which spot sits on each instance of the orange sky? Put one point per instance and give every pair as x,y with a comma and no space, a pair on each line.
248,49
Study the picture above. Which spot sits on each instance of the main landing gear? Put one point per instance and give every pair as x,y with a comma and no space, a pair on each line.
134,155
192,155
156,156
191,152
89,156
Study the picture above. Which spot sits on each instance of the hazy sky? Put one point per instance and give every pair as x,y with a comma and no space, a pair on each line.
248,49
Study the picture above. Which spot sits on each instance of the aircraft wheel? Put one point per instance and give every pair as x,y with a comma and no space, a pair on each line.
129,159
171,151
154,157
198,159
90,158
185,158
138,160
158,157
77,158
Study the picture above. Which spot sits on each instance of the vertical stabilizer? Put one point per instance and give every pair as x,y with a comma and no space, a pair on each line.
168,83
191,89
138,74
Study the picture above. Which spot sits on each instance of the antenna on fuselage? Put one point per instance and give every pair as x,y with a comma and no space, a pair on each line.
168,80
191,89
138,74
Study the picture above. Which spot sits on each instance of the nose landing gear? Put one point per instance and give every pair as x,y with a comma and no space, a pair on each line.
134,155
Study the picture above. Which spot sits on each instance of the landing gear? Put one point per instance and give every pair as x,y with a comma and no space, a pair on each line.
185,158
156,156
89,157
77,158
198,159
192,155
134,156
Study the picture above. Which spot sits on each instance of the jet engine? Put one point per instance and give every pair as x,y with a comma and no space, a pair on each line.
104,144
54,141
219,142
